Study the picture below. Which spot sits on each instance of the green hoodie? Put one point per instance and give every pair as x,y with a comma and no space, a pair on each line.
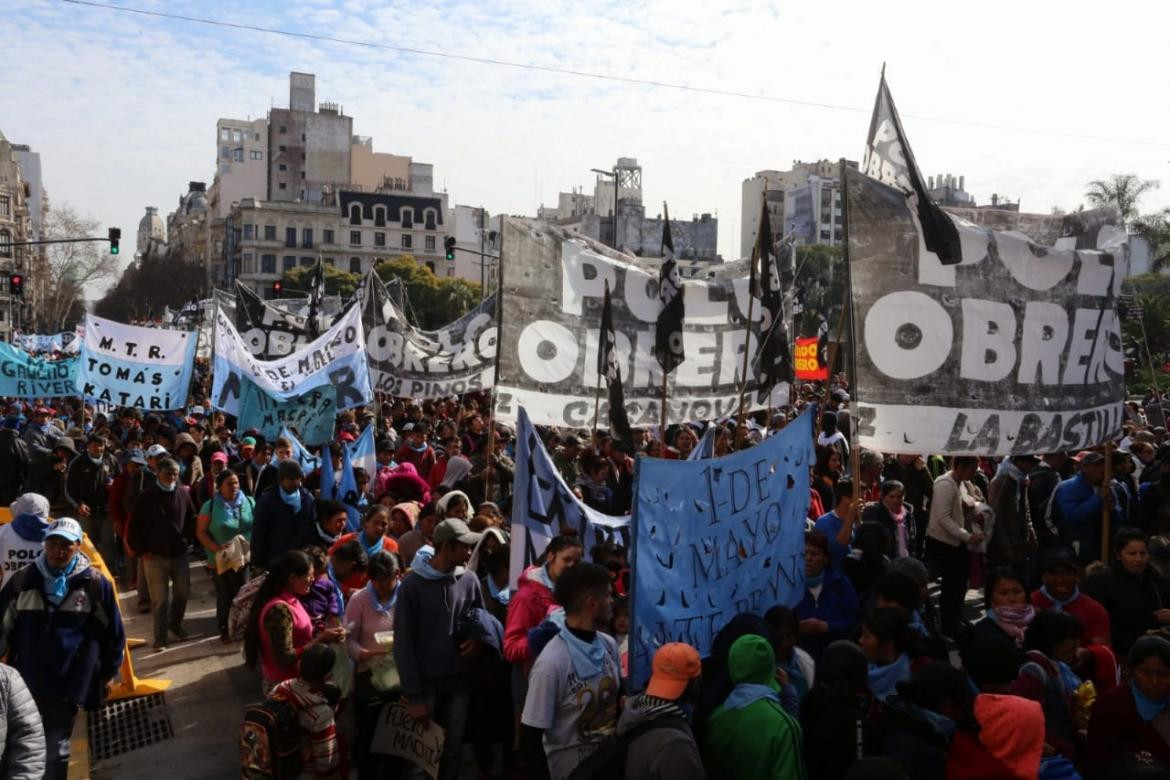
759,741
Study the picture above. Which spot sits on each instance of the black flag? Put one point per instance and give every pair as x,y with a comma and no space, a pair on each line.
607,366
889,160
668,343
316,298
773,358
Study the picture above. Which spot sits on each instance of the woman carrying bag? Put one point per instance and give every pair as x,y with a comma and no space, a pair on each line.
224,528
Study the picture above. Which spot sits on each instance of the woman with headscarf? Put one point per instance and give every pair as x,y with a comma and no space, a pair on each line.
1008,610
458,467
456,504
896,516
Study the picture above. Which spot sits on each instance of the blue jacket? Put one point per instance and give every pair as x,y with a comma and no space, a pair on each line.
1077,513
429,623
837,605
68,652
276,529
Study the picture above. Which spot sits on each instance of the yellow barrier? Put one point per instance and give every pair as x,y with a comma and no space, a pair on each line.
127,685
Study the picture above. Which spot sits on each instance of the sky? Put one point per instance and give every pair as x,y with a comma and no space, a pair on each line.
1027,100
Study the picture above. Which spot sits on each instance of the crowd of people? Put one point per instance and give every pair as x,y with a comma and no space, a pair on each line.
401,595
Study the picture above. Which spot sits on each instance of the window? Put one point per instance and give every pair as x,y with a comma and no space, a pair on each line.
289,262
270,232
331,261
238,155
248,231
407,241
290,236
326,236
355,238
282,167
225,134
5,206
257,155
249,262
431,265
225,168
451,271
430,219
355,265
5,244
302,136
307,238
267,264
282,186
237,135
355,214
283,148
380,216
429,243
283,130
379,239
225,152
302,156
407,218
257,138
306,262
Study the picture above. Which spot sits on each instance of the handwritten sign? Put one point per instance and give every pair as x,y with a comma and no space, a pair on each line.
398,734
312,413
717,537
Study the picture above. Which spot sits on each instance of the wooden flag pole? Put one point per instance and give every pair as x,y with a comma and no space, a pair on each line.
597,391
491,426
662,428
747,342
1107,509
854,444
832,363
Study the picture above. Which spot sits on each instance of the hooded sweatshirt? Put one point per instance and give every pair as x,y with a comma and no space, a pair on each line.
662,753
526,610
759,740
1012,730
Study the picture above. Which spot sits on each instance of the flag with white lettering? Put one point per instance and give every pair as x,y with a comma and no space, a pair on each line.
774,359
607,366
668,344
128,365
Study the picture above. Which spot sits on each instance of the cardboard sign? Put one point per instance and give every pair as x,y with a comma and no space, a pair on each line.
398,734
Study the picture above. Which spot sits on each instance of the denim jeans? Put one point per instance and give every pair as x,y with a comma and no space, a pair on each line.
57,718
169,579
450,709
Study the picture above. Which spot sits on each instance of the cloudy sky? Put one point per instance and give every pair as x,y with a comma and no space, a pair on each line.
1028,100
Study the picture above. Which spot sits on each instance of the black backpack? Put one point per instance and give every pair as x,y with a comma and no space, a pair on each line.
270,742
608,761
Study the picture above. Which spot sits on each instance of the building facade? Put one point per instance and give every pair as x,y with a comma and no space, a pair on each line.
241,167
309,148
152,235
15,228
477,245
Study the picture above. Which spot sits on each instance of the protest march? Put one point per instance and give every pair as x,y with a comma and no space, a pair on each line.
613,522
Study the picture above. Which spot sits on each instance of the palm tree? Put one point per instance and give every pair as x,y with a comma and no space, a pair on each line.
1155,229
1122,190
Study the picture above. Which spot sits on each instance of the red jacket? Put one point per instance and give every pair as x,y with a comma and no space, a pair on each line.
526,610
970,760
1116,729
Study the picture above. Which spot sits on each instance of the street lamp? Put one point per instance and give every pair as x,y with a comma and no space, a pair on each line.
614,175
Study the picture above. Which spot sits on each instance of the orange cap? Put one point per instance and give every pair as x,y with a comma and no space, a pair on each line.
675,665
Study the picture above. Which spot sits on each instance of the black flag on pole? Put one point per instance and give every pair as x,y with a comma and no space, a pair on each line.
773,358
668,343
889,160
607,366
316,298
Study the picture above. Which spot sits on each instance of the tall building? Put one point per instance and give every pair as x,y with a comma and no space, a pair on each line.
570,205
15,228
477,245
370,170
813,213
309,148
152,235
772,186
625,181
241,168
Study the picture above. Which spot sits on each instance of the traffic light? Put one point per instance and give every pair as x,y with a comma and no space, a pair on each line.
276,288
450,245
115,238
16,286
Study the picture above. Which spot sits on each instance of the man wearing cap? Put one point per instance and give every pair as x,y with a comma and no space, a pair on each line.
665,750
431,658
1012,534
1077,505
161,529
255,458
40,434
23,540
61,629
415,449
283,517
1061,591
87,488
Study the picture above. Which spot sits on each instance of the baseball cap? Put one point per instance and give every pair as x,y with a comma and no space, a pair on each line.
247,441
30,504
675,665
219,456
453,528
1089,458
136,456
66,528
347,436
156,450
408,428
1058,556
42,410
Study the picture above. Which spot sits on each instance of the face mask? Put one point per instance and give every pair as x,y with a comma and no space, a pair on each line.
96,459
46,427
168,488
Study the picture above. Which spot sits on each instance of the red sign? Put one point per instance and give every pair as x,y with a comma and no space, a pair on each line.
807,365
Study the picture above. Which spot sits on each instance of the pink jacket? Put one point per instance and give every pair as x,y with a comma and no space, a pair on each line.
526,610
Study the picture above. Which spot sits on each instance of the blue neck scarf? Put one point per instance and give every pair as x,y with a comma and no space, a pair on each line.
541,575
1068,677
420,447
746,694
795,674
56,582
1147,708
1057,604
371,549
917,624
231,509
329,540
30,527
380,607
883,679
588,658
502,595
424,569
336,585
941,723
293,499
168,488
812,582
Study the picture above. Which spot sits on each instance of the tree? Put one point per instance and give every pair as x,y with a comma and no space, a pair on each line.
1125,190
337,282
820,288
150,284
69,268
435,301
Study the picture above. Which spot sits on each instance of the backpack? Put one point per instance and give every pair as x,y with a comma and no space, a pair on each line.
608,761
242,607
270,747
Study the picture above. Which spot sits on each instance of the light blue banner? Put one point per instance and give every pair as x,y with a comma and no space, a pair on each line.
312,414
716,537
362,451
127,365
308,462
25,376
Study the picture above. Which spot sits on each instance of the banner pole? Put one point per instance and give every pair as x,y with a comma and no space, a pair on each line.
832,364
854,444
1107,508
747,340
491,426
662,428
